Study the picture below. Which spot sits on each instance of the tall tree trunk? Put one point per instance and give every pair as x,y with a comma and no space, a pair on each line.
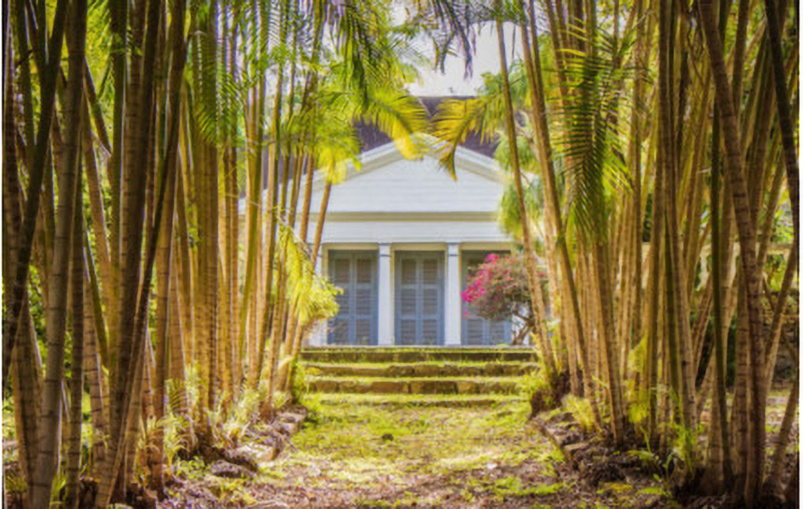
678,296
77,353
97,395
50,421
719,421
169,167
777,317
539,119
747,243
133,307
37,172
526,237
774,34
784,434
272,201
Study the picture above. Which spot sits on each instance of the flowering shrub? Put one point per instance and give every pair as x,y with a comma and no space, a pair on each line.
498,290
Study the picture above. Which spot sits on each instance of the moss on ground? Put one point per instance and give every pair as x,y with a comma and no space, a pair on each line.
410,400
370,379
439,363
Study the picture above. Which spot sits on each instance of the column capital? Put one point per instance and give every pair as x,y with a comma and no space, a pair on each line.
384,249
453,249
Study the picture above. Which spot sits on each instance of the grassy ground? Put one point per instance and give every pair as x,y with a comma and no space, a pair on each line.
402,456
353,455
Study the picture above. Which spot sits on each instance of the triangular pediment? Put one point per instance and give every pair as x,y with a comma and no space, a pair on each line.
389,183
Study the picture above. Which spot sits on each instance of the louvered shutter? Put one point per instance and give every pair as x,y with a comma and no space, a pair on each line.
407,303
356,320
364,298
431,311
419,298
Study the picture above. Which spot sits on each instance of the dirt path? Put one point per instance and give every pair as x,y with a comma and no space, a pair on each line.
362,456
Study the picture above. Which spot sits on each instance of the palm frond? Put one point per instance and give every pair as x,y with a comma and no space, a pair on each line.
400,116
312,296
591,139
453,122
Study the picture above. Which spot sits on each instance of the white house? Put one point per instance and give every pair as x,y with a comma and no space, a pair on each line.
399,237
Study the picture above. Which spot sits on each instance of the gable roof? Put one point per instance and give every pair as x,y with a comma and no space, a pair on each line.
371,137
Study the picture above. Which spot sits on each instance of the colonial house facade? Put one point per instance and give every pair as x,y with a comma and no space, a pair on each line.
399,238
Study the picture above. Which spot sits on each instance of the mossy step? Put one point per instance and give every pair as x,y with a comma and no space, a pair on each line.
420,369
419,354
414,400
443,385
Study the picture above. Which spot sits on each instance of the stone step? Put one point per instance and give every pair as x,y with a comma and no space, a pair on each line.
416,400
419,369
443,385
344,354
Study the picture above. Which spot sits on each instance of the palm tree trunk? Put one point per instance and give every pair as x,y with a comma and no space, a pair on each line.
77,353
316,245
37,172
133,305
50,421
133,188
793,488
529,254
719,421
784,434
774,33
165,244
255,154
778,315
747,240
97,396
185,273
27,379
609,343
678,296
119,26
25,367
98,215
650,375
178,390
272,199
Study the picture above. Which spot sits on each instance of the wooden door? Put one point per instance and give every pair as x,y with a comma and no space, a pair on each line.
356,321
419,298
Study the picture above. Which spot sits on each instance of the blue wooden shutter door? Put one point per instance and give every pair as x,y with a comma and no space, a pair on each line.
419,298
356,321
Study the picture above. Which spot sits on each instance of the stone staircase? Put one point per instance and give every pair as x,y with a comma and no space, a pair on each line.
425,376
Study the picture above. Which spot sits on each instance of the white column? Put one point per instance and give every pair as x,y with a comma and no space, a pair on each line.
385,311
452,301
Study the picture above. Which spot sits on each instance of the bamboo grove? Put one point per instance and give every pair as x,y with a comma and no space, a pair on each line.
158,166
667,122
